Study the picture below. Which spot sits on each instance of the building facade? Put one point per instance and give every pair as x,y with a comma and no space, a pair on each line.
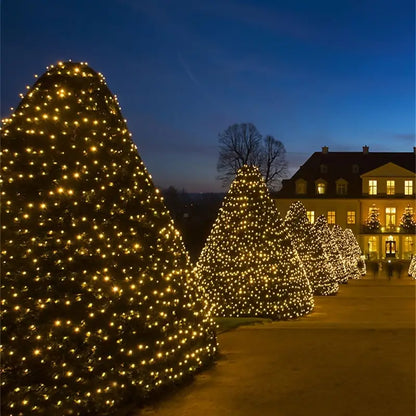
373,193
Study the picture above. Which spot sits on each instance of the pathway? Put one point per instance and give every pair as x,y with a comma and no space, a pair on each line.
353,356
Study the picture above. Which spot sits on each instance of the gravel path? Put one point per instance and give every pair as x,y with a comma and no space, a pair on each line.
353,356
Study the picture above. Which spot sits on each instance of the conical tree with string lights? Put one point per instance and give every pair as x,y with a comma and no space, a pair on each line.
407,221
373,220
248,266
348,249
98,302
318,270
331,249
354,253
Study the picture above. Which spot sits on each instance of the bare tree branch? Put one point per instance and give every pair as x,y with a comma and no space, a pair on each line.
242,144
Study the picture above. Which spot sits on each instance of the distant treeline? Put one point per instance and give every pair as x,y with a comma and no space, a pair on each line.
194,215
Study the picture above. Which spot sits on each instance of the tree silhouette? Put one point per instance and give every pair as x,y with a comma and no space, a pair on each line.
99,304
242,144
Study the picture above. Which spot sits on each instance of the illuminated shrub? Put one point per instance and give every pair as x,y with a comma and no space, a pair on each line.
248,266
347,245
318,270
332,253
98,305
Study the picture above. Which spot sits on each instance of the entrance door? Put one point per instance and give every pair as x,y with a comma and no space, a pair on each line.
390,248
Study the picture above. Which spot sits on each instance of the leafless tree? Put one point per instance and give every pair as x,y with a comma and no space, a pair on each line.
242,144
274,164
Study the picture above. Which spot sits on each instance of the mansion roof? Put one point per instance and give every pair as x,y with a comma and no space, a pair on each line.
347,167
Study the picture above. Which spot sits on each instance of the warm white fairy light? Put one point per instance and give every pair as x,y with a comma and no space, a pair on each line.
98,298
248,266
331,250
318,270
350,250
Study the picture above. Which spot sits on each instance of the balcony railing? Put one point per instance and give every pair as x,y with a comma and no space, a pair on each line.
389,229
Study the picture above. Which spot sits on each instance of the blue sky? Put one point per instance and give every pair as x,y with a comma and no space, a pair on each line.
310,73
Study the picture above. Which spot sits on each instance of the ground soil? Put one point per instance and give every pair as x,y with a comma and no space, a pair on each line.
353,356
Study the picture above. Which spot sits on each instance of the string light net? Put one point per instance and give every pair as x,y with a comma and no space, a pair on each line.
248,266
308,244
347,247
98,300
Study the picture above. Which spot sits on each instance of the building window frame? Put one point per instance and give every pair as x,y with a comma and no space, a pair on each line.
311,216
301,187
408,187
331,217
372,187
390,215
320,187
351,217
390,186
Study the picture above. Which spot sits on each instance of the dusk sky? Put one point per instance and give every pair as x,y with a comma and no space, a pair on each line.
310,73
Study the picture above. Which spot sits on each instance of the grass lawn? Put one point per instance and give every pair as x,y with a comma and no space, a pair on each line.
227,324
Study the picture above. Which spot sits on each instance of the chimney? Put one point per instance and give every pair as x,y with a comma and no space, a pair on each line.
365,150
414,150
325,150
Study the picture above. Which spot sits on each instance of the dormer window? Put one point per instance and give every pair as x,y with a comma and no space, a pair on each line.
324,168
341,187
301,186
320,185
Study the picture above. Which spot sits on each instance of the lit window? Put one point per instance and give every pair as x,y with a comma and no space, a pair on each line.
341,188
390,187
350,217
301,186
320,188
372,187
331,217
408,187
390,217
372,244
408,244
311,216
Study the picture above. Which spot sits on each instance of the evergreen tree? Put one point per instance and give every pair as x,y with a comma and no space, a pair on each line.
407,222
331,249
318,270
347,247
354,252
373,220
248,266
99,307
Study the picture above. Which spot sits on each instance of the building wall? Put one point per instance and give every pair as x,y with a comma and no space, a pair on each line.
405,244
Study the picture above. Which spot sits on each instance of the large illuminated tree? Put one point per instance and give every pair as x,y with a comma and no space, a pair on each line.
330,249
309,246
354,252
347,245
248,266
98,303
